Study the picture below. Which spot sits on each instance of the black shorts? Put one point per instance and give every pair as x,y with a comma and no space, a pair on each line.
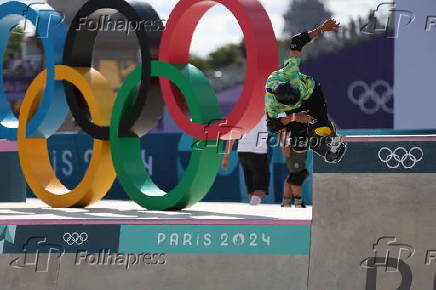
256,171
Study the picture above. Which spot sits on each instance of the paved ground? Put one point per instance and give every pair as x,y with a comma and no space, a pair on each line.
34,211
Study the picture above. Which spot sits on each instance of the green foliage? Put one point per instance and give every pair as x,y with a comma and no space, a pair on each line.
199,62
227,55
221,57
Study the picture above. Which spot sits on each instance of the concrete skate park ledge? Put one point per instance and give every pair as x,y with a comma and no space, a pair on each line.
373,215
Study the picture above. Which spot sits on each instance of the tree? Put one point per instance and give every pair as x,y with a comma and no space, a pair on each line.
304,15
226,55
199,62
221,57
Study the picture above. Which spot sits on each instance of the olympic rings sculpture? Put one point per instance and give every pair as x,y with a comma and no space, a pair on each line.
401,156
117,122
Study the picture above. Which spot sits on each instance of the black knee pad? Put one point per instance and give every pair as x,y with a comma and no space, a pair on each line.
298,178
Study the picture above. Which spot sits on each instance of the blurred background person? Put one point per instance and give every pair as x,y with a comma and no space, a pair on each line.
253,156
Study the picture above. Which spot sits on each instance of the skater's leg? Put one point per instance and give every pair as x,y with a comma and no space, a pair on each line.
317,107
298,173
287,185
287,189
325,140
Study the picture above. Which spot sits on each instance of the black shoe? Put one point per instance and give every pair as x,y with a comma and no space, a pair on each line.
286,202
299,203
337,155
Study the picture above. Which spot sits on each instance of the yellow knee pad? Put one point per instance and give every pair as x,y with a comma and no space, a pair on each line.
300,151
323,131
326,131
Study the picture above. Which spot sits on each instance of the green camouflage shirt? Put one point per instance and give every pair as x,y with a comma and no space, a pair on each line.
289,73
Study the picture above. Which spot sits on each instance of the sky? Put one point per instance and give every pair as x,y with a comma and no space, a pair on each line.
219,27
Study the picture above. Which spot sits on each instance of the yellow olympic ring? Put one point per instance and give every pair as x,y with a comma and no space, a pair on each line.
33,153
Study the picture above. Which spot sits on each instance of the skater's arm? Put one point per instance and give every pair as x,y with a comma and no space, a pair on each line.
300,40
300,117
277,124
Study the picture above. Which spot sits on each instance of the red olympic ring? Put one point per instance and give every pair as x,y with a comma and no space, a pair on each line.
262,59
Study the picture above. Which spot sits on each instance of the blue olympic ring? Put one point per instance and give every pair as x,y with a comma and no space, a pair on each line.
52,31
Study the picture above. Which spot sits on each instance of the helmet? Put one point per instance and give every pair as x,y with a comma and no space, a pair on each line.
285,93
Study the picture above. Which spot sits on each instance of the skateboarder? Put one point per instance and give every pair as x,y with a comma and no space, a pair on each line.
294,102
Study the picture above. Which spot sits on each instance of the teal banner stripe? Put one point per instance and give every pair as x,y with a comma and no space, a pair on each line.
382,157
213,239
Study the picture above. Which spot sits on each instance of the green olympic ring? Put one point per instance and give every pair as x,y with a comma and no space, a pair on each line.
205,159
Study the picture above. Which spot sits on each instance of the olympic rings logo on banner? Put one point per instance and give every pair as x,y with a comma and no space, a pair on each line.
117,122
370,101
75,238
400,156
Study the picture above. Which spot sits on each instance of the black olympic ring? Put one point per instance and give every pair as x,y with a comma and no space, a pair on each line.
78,52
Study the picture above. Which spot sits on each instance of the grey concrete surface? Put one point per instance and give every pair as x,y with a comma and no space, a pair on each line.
352,211
190,272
